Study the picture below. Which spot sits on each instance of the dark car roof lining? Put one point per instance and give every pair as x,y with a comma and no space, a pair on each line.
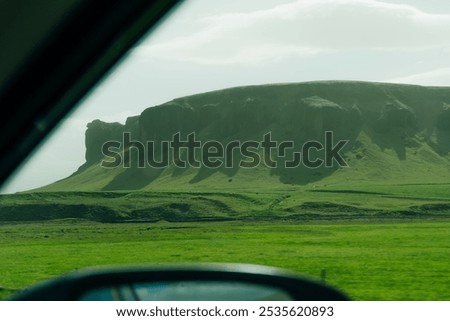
50,65
23,26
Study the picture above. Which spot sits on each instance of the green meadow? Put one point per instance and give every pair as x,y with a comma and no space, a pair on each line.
318,202
369,260
373,241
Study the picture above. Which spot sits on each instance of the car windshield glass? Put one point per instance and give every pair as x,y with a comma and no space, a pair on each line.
310,135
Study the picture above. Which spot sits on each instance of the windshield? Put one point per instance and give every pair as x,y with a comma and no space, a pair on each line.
307,135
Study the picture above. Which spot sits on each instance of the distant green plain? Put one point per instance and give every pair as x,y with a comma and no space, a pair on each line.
367,259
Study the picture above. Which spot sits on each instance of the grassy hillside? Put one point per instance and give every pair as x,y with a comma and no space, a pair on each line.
368,164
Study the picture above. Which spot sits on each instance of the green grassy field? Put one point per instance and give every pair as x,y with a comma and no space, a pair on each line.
383,240
318,202
369,260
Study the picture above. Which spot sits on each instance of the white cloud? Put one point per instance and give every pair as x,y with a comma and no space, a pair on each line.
301,28
438,77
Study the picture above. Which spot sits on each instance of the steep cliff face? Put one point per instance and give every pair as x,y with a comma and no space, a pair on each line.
443,130
392,117
99,132
291,111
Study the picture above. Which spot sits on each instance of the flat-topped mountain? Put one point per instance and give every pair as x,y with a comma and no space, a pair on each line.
390,131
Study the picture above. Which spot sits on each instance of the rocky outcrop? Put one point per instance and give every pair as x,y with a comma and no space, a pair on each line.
99,132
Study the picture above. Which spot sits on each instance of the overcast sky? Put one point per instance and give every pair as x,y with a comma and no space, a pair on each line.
213,44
